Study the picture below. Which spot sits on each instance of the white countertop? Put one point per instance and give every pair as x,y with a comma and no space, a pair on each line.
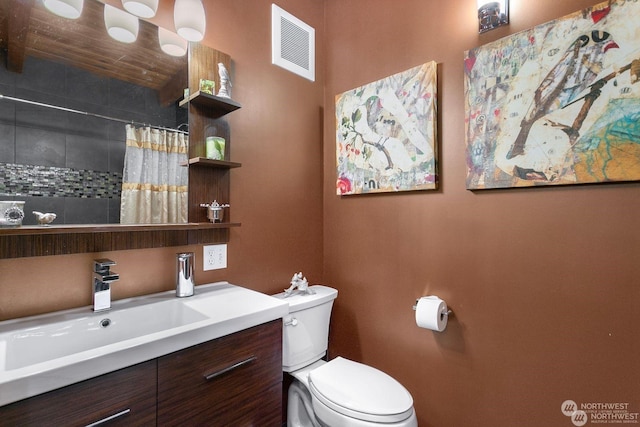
49,351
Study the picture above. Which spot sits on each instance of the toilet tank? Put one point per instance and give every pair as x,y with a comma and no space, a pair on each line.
305,330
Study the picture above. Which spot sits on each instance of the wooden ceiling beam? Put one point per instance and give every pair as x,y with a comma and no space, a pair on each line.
17,30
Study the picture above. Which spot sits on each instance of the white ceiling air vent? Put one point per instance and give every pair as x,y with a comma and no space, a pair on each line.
292,44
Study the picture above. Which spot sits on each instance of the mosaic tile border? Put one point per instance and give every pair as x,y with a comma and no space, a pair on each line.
47,181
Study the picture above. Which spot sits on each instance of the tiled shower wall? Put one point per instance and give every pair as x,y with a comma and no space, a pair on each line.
64,162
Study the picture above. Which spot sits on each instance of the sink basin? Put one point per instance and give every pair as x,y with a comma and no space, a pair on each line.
65,335
42,353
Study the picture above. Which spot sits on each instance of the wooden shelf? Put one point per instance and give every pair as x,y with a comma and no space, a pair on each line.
203,161
221,105
28,241
204,225
111,228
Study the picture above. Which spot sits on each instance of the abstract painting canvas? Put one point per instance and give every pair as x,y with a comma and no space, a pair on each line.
556,104
386,133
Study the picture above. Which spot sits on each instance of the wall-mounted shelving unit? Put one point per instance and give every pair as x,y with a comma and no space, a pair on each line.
209,180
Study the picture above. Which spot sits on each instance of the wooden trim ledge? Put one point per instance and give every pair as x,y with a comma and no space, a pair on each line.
30,241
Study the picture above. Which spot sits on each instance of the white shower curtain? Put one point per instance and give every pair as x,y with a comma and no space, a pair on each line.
154,184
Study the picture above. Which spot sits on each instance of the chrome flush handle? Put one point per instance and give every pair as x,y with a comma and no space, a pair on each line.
290,321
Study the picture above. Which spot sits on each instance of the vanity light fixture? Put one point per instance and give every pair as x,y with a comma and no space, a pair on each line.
66,8
141,8
492,14
171,43
121,25
189,19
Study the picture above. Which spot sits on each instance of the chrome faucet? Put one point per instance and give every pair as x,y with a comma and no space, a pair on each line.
184,274
102,279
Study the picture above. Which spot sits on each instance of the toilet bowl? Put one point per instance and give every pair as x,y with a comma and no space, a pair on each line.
339,392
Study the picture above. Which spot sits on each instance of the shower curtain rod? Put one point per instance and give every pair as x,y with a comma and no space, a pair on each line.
84,113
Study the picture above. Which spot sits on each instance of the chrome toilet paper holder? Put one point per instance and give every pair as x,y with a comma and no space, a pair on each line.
443,314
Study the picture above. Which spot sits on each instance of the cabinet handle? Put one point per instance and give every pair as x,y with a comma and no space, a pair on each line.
109,418
223,371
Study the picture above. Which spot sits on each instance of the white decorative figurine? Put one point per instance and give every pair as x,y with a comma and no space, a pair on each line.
225,81
297,281
44,218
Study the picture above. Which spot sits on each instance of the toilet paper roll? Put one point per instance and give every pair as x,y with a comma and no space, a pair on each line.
431,313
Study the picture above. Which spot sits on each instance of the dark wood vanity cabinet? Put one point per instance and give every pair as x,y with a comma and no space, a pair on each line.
235,380
232,381
122,398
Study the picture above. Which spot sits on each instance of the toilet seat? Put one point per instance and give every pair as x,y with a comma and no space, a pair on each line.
360,391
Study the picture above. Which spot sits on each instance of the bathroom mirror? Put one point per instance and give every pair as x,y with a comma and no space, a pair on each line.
77,159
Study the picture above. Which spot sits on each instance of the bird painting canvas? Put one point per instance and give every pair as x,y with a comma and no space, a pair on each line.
386,133
556,104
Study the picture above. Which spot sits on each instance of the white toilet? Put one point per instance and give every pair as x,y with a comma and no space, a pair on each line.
338,393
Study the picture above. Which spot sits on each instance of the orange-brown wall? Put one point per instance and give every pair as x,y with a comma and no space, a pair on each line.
543,282
276,194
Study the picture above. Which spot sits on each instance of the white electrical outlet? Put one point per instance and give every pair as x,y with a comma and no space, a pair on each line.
214,257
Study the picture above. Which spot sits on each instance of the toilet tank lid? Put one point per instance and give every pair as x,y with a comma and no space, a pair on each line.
300,301
361,391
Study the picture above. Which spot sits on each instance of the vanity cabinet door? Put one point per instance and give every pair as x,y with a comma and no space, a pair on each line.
235,381
122,398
